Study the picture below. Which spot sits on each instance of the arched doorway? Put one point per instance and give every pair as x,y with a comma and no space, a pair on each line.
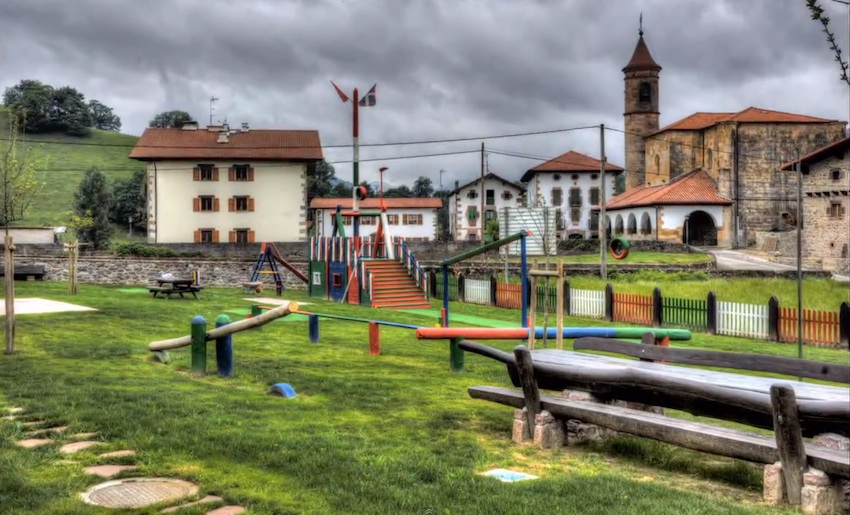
631,224
618,224
699,229
645,224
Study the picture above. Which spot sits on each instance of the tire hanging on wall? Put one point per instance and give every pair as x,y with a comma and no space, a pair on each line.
619,248
258,290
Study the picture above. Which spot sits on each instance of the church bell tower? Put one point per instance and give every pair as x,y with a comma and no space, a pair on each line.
641,109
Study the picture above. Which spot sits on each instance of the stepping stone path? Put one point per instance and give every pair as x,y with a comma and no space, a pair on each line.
71,448
104,471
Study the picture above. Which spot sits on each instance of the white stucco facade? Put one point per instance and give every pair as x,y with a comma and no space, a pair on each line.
414,224
575,194
271,205
668,222
463,203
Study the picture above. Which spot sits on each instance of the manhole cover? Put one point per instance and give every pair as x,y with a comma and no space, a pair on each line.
138,492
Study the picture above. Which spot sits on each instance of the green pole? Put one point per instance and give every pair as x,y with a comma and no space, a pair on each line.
482,249
456,354
199,345
256,311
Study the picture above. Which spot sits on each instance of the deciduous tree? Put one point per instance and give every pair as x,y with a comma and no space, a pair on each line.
94,199
19,175
103,118
423,187
170,119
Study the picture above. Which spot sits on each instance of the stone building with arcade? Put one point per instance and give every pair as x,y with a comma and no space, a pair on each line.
710,179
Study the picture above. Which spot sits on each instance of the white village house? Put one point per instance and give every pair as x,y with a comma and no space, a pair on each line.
414,219
215,185
465,205
570,184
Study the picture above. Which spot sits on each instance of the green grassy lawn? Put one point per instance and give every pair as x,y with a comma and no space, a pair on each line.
641,257
63,161
394,434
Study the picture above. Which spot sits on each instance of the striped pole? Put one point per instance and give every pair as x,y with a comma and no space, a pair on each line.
199,345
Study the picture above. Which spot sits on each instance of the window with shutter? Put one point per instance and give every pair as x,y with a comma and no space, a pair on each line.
251,236
206,173
240,172
243,235
231,236
196,204
215,236
231,204
241,203
215,205
197,236
594,196
196,174
250,204
231,173
575,197
215,174
250,173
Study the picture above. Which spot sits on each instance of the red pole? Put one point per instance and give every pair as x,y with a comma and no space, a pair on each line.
356,165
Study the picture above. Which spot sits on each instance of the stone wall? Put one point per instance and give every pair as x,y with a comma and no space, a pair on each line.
640,120
827,228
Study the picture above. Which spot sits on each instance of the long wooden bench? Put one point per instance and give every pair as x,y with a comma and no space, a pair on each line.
25,272
653,388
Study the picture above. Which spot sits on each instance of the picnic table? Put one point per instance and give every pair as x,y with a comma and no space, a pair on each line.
168,286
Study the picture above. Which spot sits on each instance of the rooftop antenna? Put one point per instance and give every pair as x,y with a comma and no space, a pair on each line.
640,25
213,100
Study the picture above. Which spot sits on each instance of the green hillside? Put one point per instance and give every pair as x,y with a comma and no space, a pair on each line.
64,160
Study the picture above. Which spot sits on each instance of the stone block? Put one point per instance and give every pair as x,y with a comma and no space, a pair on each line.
833,441
519,434
548,431
774,484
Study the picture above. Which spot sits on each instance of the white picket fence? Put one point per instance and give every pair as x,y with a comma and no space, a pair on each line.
738,319
476,291
589,303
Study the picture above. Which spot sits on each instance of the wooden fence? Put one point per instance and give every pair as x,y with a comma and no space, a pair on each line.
760,321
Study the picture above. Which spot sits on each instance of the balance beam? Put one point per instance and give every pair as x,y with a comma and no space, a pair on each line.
361,320
520,333
235,327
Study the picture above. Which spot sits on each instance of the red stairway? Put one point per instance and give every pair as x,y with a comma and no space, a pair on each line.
393,287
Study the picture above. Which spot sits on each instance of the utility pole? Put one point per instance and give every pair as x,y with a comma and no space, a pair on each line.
481,215
799,171
603,234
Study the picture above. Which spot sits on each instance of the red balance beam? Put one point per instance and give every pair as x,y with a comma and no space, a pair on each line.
481,333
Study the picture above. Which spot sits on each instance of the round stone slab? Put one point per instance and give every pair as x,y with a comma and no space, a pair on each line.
138,492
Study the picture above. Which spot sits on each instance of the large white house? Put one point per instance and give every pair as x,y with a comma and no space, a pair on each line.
414,219
215,185
570,185
465,205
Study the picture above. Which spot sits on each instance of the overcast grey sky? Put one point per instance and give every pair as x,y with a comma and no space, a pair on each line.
444,68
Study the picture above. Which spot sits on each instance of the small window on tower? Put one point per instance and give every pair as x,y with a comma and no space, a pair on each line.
644,92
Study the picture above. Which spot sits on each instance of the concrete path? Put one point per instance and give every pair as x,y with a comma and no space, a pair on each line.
740,260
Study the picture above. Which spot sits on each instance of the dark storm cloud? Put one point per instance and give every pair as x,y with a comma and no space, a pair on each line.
444,68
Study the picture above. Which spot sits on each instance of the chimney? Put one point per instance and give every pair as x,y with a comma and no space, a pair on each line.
223,137
244,127
191,125
215,128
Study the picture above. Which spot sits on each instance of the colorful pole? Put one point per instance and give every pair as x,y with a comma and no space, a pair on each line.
199,345
355,221
523,252
456,355
313,328
224,349
445,296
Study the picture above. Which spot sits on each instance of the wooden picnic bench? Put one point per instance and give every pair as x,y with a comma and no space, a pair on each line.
173,286
792,409
25,272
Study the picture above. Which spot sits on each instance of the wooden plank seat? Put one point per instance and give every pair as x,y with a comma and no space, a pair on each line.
25,272
721,441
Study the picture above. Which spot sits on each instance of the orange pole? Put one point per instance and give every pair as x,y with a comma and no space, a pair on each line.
484,333
374,339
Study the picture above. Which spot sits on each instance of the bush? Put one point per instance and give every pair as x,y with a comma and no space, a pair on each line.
578,246
655,276
141,250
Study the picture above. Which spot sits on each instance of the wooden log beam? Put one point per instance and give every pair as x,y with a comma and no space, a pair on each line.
707,358
543,273
235,327
789,440
687,434
529,387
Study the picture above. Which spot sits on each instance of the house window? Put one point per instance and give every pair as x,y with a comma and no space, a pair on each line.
594,176
242,236
415,219
207,203
594,196
556,177
242,173
835,209
575,177
367,220
205,172
472,194
575,215
575,197
490,214
490,199
593,223
206,235
836,174
507,195
644,92
392,219
346,220
241,203
557,197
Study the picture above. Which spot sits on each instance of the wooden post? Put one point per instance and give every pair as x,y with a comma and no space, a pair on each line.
10,294
73,249
789,440
773,319
532,315
224,349
711,316
199,345
844,325
256,311
374,339
568,309
456,355
525,367
647,339
559,302
657,308
313,328
609,302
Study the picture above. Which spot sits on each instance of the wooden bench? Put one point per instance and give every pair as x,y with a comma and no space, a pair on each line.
167,291
25,272
632,381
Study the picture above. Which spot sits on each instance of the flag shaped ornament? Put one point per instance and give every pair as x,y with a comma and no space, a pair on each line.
342,95
370,99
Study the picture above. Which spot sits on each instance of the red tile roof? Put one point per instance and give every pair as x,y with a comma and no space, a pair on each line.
570,162
641,58
696,187
256,144
375,203
700,121
839,147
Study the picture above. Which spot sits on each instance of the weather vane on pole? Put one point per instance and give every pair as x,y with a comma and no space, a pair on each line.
369,100
640,25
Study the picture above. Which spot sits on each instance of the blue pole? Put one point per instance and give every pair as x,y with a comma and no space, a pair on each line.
313,328
524,270
224,349
446,292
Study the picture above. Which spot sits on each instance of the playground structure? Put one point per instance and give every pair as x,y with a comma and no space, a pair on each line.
619,248
269,256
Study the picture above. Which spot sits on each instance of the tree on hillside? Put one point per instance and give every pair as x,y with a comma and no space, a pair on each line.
30,101
399,191
817,14
18,167
423,187
319,178
170,119
69,112
103,118
94,199
130,199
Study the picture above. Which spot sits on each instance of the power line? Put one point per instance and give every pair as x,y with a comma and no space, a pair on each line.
349,145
